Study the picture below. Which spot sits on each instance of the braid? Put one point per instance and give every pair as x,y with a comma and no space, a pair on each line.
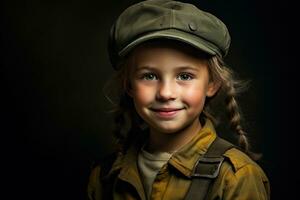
119,120
127,122
235,117
230,88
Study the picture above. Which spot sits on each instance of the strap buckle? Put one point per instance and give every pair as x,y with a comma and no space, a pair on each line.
208,167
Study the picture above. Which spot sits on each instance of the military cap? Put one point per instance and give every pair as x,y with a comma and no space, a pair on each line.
167,19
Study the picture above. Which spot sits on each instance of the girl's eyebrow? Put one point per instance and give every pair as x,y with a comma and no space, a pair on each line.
146,68
188,67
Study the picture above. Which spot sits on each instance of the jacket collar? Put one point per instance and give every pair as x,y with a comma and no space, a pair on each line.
183,160
126,165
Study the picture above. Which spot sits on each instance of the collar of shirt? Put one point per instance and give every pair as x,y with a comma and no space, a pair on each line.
183,159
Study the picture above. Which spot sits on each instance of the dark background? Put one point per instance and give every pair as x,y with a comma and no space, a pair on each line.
54,116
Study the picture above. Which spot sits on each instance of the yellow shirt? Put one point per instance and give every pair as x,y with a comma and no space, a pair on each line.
240,178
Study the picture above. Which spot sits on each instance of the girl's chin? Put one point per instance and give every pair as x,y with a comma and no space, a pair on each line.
168,130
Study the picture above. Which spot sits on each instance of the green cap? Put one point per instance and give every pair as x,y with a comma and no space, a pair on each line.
154,19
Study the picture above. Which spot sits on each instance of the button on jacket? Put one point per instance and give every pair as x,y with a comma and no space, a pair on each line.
240,178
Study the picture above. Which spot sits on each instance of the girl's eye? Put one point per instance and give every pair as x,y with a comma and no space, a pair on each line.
185,77
149,76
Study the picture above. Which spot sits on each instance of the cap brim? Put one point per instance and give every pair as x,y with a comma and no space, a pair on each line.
172,34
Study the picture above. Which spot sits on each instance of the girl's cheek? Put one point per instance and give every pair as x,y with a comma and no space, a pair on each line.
194,96
143,92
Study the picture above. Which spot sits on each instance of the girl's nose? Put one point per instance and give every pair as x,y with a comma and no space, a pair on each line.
166,91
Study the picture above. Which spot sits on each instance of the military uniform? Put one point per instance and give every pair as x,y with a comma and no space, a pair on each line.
239,178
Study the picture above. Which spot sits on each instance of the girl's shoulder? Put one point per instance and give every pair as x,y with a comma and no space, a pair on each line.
102,167
100,170
239,159
241,167
240,177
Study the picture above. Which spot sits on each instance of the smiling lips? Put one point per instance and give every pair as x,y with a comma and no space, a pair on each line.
166,112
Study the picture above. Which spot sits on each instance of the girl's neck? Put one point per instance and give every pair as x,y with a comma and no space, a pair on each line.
171,142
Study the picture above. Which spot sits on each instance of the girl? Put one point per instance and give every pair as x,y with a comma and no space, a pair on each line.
169,61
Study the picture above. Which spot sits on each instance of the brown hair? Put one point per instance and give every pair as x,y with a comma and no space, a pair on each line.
230,88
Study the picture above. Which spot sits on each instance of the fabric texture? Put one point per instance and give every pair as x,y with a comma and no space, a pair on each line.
149,165
167,19
239,178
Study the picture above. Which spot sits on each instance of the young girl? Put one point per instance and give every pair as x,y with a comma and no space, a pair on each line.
169,61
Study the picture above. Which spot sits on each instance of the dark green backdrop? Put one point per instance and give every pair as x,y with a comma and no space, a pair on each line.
55,119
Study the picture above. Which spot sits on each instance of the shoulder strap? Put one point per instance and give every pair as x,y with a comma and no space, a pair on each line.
207,169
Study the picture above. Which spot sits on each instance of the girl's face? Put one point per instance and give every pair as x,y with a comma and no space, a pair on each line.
169,88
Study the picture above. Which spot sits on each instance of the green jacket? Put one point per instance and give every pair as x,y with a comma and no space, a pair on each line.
240,178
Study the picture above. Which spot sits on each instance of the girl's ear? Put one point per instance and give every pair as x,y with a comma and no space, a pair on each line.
212,88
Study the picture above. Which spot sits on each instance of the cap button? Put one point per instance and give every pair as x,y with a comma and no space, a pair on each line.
192,26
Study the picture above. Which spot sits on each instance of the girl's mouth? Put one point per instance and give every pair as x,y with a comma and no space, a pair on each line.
166,112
